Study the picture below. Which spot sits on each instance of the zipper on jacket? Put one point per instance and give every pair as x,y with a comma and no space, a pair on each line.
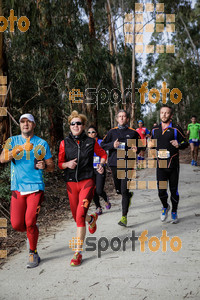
76,174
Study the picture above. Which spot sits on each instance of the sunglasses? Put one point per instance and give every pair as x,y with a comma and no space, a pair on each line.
75,123
90,132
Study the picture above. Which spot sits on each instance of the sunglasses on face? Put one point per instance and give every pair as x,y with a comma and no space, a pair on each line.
90,132
75,123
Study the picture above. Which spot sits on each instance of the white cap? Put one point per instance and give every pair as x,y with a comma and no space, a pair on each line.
27,116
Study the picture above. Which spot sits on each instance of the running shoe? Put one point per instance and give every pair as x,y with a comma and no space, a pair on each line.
123,221
130,199
174,217
192,162
108,206
164,213
34,260
93,226
195,163
99,211
76,260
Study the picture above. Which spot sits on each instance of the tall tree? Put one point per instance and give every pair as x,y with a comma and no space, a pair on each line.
4,100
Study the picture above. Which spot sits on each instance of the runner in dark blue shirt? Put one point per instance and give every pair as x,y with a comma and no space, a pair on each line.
117,138
169,139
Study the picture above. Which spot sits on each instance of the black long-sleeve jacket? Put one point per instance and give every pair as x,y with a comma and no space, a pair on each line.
163,137
123,135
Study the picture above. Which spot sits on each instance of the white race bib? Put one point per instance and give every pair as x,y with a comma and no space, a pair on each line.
121,146
96,161
163,154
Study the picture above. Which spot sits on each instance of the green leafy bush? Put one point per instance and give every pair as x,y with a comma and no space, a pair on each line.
5,193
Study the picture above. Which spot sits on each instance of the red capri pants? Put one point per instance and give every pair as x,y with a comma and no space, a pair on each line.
23,214
80,195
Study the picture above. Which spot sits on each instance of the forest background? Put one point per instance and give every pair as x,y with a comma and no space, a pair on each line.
76,44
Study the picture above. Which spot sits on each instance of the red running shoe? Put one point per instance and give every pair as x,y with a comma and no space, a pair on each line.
76,260
93,226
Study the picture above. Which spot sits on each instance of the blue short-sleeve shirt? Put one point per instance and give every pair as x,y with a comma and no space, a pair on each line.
24,177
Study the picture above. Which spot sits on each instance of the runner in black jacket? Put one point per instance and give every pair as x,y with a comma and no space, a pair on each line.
76,159
117,138
170,138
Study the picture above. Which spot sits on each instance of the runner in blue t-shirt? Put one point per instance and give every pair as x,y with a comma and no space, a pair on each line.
29,156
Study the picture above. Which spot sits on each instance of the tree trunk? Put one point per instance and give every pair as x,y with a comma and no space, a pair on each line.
112,66
91,19
4,121
91,108
122,5
191,41
132,110
111,48
55,129
111,116
54,117
115,52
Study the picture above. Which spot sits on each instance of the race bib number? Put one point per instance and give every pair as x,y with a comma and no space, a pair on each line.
163,154
194,140
121,146
96,161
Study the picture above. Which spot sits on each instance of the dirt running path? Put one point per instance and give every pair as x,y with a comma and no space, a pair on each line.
120,274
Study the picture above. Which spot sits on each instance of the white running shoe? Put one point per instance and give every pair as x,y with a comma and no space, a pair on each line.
164,213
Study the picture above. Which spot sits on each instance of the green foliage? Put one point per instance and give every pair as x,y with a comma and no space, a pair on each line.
58,54
5,193
181,69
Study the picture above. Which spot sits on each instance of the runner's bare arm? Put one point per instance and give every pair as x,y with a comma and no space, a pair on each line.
47,165
6,155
